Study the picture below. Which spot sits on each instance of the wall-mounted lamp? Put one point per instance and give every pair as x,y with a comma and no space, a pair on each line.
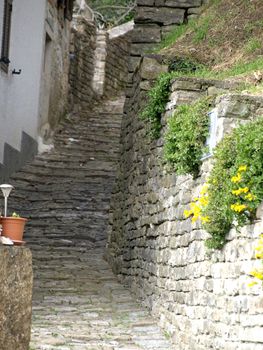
6,189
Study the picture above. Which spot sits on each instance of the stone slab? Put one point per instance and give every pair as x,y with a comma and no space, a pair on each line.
146,34
161,15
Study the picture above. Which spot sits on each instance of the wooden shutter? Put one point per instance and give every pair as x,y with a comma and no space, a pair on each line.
6,35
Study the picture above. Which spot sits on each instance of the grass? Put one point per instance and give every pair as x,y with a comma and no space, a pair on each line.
226,38
240,68
201,29
175,34
253,45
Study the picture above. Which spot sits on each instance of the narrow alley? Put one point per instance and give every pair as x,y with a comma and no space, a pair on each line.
78,303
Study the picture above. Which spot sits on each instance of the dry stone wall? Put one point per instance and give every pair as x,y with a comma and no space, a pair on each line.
16,281
116,68
82,53
99,63
154,19
203,302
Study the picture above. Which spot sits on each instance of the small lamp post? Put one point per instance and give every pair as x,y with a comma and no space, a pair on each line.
6,189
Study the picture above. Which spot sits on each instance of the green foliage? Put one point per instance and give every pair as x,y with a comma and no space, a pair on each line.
201,29
238,69
253,45
158,98
186,136
236,182
170,38
184,65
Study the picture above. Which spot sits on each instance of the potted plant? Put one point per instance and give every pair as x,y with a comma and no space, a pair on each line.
13,227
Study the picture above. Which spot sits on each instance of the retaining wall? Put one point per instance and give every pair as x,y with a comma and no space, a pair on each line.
203,302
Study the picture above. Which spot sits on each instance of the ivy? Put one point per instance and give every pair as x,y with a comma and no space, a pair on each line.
235,186
186,136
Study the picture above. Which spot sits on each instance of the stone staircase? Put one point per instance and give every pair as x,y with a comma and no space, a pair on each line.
78,303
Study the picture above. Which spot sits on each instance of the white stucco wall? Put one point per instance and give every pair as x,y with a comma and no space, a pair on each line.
19,94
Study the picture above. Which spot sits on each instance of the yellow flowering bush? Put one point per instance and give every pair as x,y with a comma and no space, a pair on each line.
258,272
197,207
243,206
235,185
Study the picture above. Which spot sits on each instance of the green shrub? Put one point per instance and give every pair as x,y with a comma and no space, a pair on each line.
186,136
235,186
158,97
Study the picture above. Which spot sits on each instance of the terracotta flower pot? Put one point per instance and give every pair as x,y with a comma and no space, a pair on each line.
13,228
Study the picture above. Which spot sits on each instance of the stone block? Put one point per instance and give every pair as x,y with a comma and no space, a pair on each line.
183,97
151,68
138,49
214,91
146,34
145,2
186,85
194,11
254,334
178,3
160,15
231,107
16,280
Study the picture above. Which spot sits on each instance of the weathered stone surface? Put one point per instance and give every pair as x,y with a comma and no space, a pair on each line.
162,15
16,281
194,11
239,106
151,68
178,3
146,34
161,255
186,85
145,2
82,62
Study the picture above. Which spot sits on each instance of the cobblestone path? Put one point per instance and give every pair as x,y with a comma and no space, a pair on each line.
78,303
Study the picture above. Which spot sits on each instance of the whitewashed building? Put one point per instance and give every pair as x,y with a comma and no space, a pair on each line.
34,46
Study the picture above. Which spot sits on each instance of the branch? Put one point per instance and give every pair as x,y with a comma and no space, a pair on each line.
125,14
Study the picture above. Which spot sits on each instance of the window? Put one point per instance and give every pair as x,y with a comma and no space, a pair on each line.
6,29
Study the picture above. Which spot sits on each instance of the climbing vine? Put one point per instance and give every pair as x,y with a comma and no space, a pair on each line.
186,135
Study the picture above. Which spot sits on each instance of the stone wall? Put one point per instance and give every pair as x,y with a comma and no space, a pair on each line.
201,301
54,79
16,281
116,68
154,19
99,63
82,53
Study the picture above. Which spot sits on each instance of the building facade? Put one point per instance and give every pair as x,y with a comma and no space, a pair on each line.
34,61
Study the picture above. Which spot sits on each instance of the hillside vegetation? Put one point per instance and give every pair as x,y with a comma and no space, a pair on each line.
227,38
